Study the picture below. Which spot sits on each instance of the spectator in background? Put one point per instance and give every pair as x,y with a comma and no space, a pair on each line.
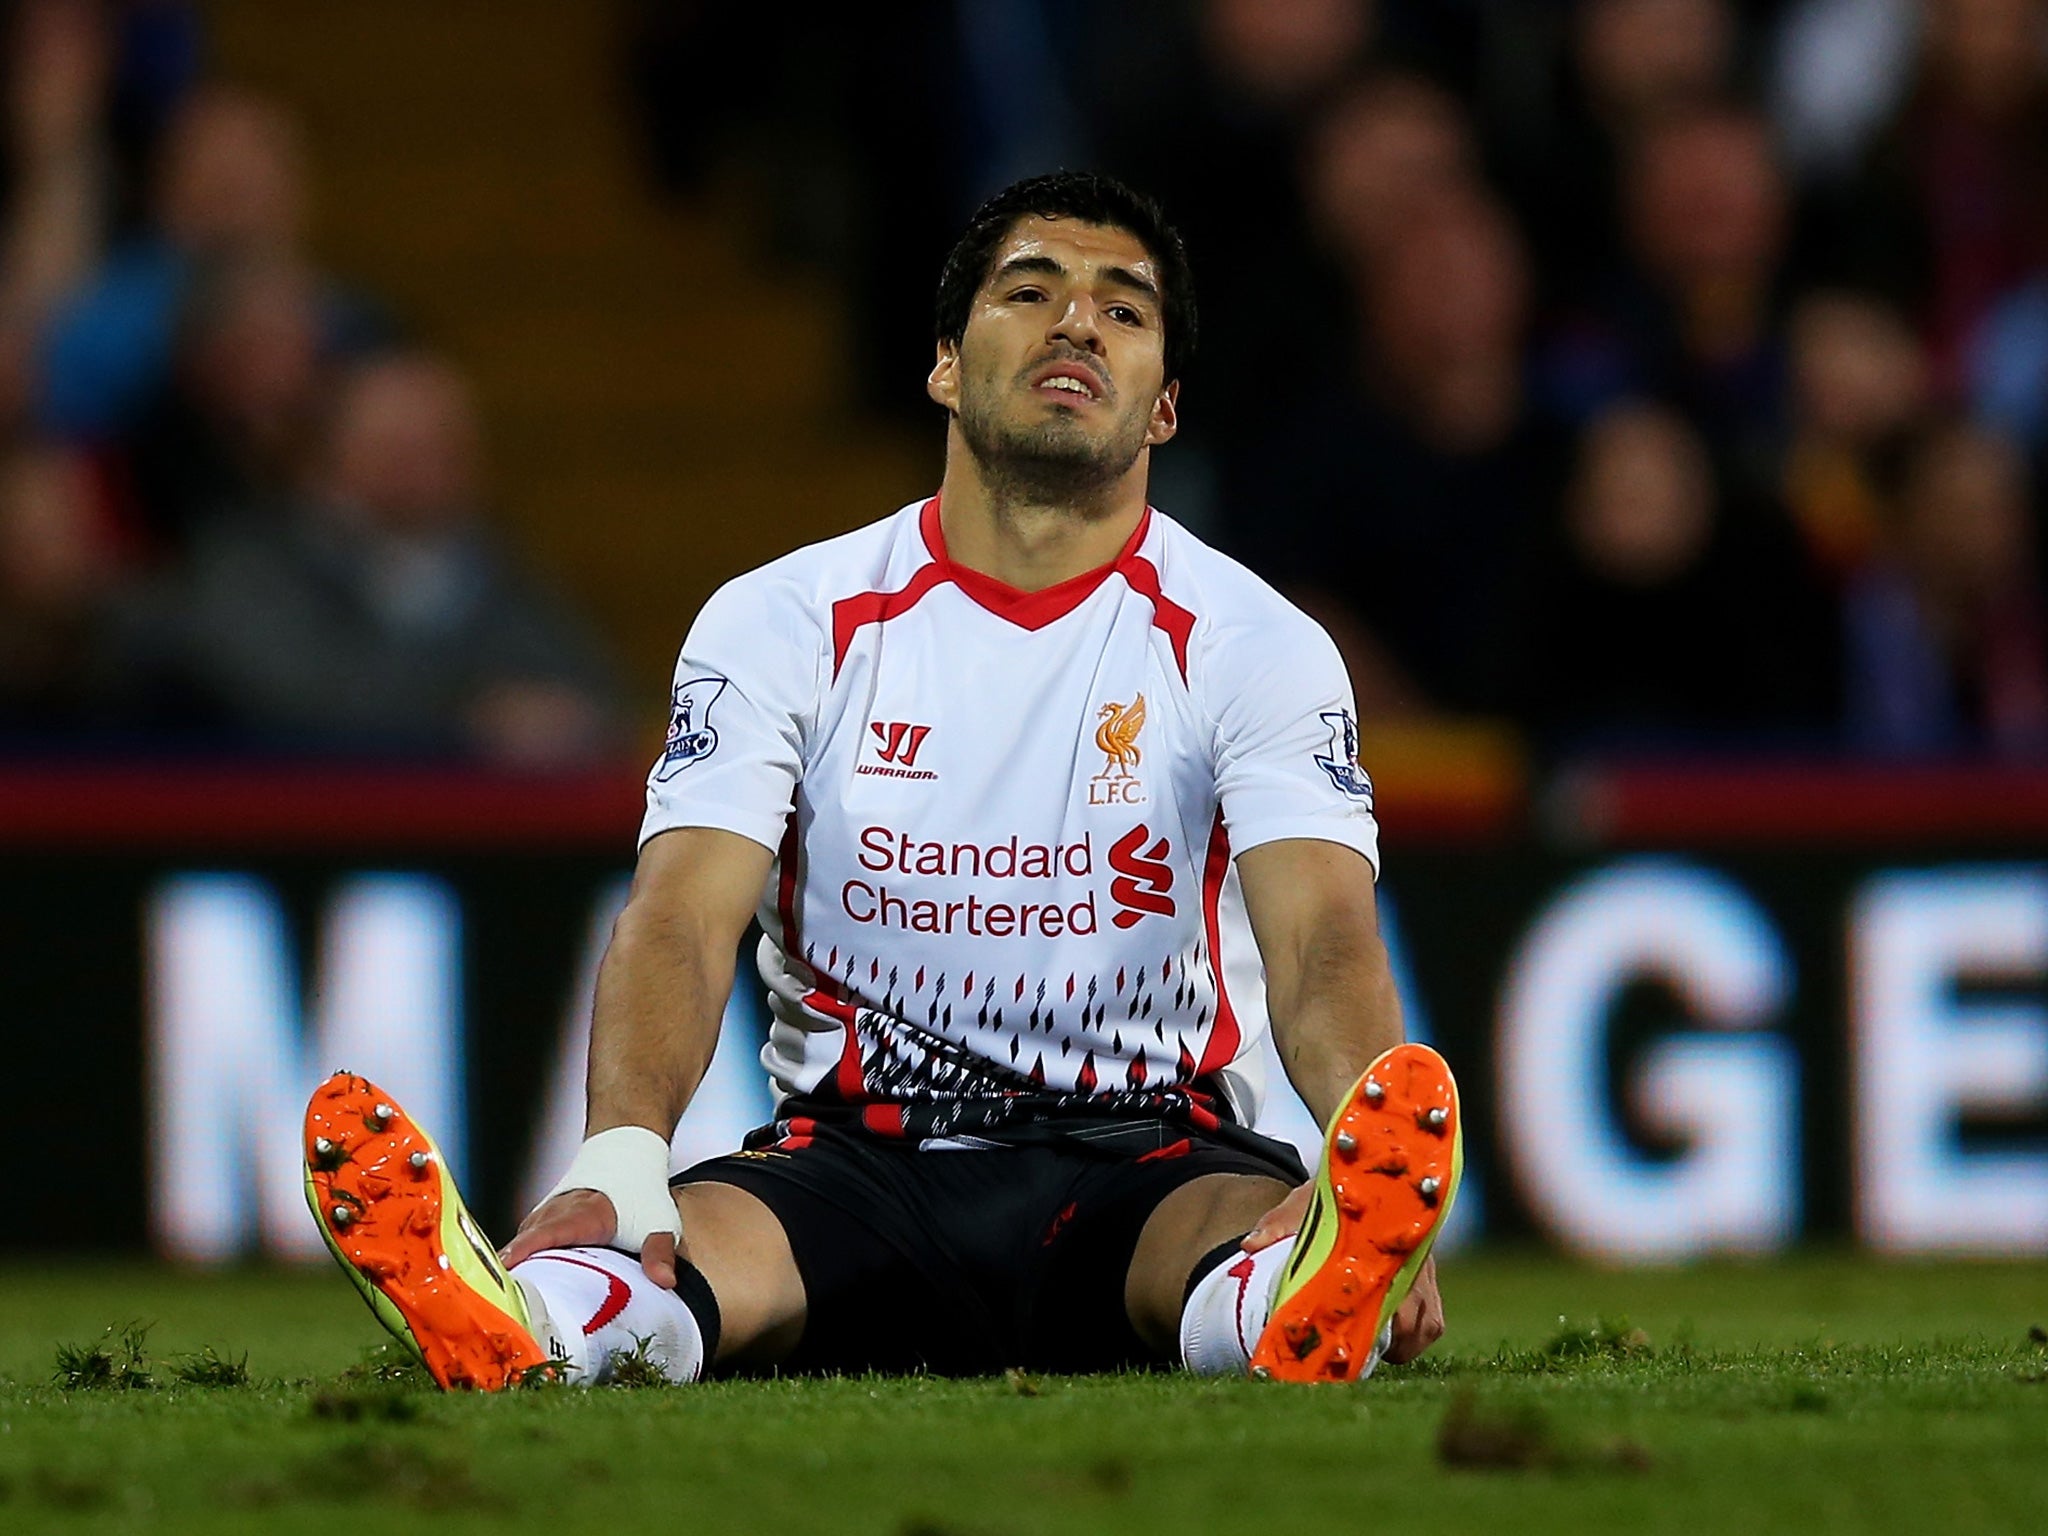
376,613
1214,127
61,568
1858,389
55,182
1387,142
1633,66
1947,648
230,428
1397,510
1657,619
230,186
1948,211
1695,317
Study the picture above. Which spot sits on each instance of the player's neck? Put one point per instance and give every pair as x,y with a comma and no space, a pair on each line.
1033,545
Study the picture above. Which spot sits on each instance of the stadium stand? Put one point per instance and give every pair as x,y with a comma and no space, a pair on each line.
1630,376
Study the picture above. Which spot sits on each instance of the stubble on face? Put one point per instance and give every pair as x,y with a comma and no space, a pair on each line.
1033,454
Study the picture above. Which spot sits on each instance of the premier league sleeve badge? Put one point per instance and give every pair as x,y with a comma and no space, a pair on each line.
1340,759
690,735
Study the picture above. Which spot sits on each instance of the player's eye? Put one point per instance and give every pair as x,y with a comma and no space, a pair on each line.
1123,314
1026,295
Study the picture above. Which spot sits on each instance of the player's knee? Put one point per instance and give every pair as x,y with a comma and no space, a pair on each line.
744,1255
1182,1229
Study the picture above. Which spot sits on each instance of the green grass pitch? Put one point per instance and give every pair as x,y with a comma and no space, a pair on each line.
1825,1394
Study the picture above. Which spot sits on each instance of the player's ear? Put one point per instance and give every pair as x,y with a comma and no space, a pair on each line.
943,384
1165,416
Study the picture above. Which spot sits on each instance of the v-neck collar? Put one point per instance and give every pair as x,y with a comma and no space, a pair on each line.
1027,610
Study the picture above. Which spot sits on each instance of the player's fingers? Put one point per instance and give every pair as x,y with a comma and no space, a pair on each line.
658,1258
577,1219
1411,1337
1284,1220
1419,1322
535,1236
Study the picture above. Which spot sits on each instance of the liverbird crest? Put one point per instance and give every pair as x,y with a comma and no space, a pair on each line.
1117,736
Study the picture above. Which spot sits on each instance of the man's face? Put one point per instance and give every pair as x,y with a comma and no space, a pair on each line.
1059,378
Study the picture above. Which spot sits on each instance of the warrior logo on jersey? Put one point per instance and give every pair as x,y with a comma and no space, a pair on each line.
690,735
1117,737
897,743
1340,760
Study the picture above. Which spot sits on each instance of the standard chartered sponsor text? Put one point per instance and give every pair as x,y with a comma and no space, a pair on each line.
885,851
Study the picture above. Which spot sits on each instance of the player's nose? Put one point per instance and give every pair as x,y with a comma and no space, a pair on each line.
1078,324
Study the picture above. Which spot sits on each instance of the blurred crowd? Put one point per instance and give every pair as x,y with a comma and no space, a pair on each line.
1657,374
1652,374
240,507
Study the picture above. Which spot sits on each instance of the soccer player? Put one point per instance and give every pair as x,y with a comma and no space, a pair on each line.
1047,812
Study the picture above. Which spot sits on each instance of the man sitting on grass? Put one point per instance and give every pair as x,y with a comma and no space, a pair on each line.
1047,812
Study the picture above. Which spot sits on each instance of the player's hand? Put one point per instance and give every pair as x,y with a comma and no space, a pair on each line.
1284,1220
1419,1320
583,1218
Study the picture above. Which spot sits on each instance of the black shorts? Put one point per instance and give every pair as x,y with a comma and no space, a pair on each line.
964,1263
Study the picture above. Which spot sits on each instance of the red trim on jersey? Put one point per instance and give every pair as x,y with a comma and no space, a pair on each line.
883,1119
849,614
1027,610
847,1077
1223,1037
785,891
1167,615
1172,1149
823,998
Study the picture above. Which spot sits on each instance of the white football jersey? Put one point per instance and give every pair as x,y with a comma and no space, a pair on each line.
1004,822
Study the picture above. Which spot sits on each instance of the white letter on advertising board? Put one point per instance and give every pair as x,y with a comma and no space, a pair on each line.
1926,1055
230,1069
1731,1103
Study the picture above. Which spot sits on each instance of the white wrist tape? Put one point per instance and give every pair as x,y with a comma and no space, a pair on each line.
628,1165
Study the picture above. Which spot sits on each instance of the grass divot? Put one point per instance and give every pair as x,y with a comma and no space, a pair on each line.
353,1404
115,1363
210,1368
1473,1437
637,1369
391,1364
1597,1340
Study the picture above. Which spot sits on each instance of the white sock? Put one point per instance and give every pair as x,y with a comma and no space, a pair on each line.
1226,1311
600,1305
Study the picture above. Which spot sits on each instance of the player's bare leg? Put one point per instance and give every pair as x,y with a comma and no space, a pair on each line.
1186,1228
740,1248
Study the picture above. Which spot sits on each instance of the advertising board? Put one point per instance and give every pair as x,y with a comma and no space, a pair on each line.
1665,1050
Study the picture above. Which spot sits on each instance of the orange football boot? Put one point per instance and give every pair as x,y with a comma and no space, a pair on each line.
1389,1169
392,1218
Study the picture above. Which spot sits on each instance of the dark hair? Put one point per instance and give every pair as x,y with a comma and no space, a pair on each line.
1089,199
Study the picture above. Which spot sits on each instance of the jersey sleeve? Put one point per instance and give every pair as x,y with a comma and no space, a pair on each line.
1287,741
744,697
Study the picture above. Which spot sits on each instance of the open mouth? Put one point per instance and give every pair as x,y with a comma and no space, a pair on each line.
1069,381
